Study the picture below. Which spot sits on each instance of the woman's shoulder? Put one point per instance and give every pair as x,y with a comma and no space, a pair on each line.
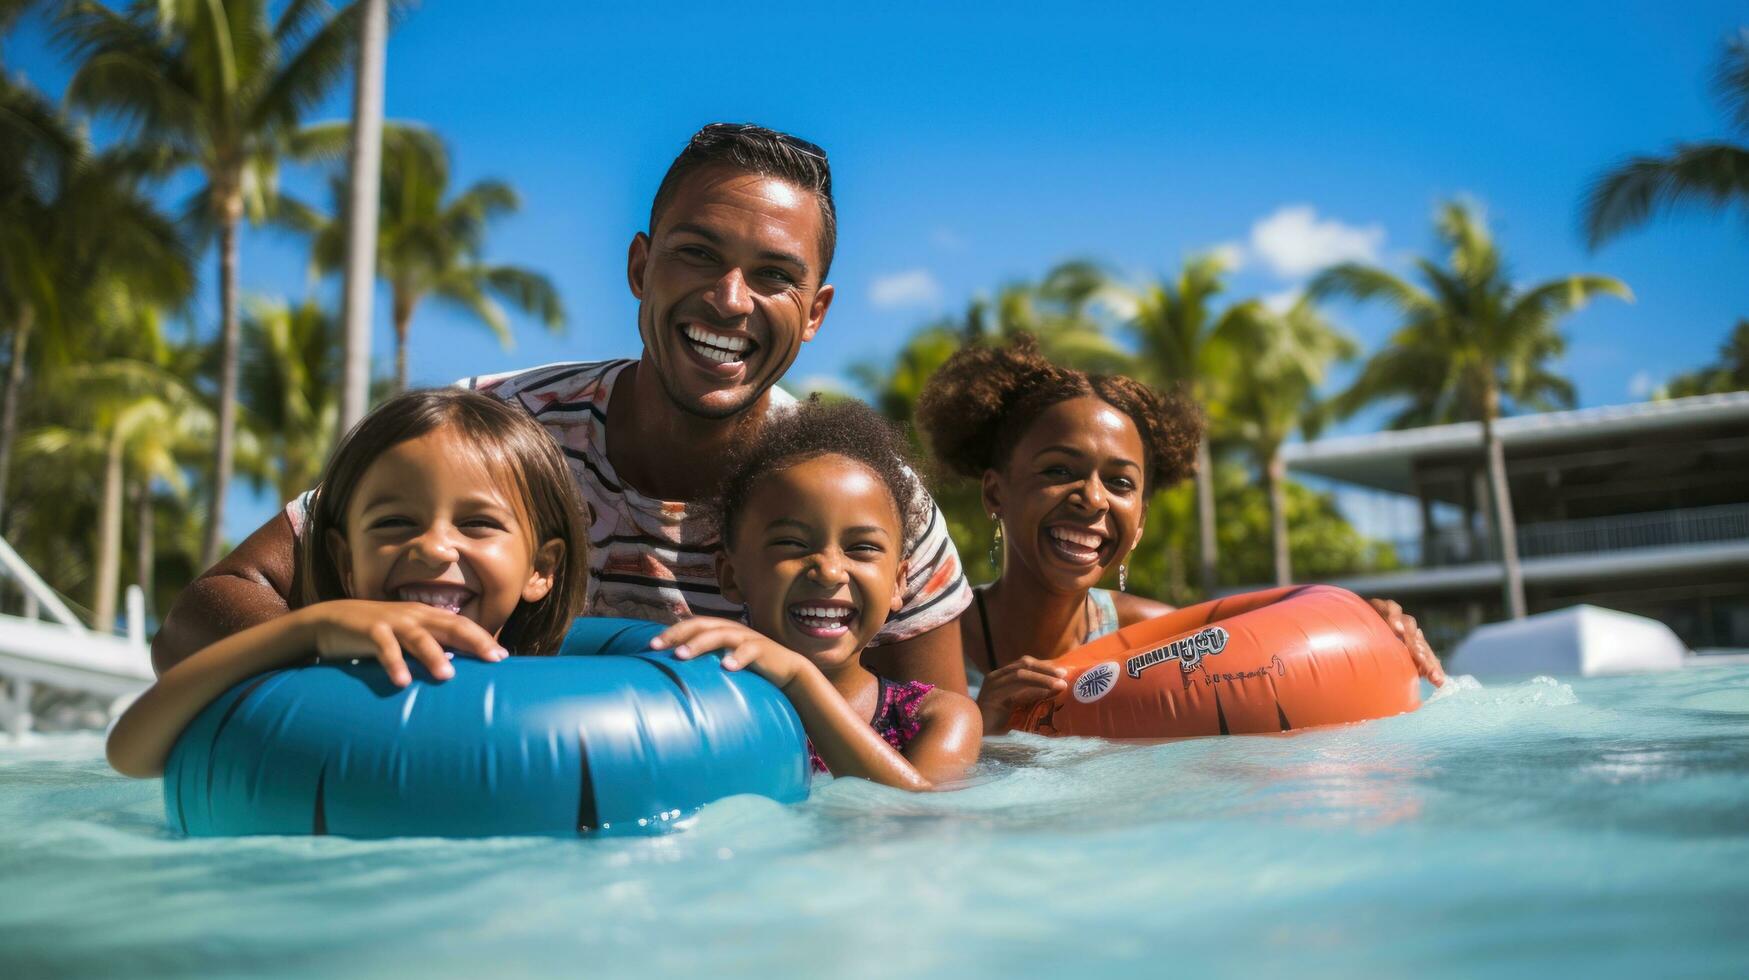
1133,609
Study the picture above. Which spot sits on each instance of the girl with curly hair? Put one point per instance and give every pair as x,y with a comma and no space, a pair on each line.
1066,461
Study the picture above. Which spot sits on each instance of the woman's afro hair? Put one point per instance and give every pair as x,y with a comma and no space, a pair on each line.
818,428
979,404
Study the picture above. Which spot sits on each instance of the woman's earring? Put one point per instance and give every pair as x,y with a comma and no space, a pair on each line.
1123,577
996,544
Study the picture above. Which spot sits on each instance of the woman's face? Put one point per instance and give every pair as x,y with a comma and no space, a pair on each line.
429,523
817,556
1070,494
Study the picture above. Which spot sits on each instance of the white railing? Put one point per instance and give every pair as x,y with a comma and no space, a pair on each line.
61,652
1546,539
1664,529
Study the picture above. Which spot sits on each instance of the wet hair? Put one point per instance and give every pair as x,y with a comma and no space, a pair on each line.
514,448
979,404
817,428
749,149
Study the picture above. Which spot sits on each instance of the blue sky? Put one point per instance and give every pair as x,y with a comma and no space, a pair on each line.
975,146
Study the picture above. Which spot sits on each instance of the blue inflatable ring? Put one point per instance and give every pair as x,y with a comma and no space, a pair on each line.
606,737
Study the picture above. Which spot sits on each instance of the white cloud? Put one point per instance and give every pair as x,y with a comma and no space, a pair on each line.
1642,385
1293,242
913,287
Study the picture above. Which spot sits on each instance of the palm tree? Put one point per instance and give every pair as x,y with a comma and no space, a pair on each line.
364,167
1716,173
1184,342
126,407
1473,345
1058,311
218,86
428,246
1274,393
73,225
291,370
1729,373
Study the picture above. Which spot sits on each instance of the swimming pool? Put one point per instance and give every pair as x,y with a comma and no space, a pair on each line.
1540,828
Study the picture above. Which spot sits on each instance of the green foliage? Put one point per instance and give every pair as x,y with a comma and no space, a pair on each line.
291,391
1324,543
1729,373
1714,174
1473,344
429,244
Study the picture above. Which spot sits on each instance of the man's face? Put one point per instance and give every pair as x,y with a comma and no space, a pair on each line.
729,289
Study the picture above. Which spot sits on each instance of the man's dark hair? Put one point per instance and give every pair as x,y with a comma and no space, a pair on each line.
746,148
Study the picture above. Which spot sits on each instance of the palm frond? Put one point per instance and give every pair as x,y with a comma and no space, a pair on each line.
463,290
308,75
1624,198
529,291
1731,79
1551,299
1363,282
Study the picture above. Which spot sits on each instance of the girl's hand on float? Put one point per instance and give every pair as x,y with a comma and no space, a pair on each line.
742,647
1023,682
346,629
1420,651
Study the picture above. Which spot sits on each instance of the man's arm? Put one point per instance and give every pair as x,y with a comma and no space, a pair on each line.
251,585
933,657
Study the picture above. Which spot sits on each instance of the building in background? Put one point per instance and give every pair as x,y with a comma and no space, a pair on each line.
1642,508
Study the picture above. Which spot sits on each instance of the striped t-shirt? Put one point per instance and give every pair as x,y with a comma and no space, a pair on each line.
655,559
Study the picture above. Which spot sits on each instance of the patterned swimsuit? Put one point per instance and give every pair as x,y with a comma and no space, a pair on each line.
895,717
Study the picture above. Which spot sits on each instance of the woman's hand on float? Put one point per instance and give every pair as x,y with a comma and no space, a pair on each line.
1420,651
1015,685
742,646
392,631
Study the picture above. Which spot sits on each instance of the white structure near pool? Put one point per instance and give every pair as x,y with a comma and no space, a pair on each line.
1642,508
60,651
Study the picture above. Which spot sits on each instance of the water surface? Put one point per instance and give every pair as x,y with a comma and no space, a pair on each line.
1543,828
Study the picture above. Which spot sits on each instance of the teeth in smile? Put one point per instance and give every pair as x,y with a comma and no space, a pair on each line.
450,600
823,616
717,347
1085,539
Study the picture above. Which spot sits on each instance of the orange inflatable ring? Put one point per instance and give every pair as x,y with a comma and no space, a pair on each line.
1262,662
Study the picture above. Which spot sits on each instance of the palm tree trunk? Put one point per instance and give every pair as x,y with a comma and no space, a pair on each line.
1505,527
1277,479
145,557
364,191
109,538
224,450
1205,514
9,404
403,325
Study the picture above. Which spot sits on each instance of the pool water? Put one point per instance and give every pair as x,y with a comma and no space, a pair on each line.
1543,828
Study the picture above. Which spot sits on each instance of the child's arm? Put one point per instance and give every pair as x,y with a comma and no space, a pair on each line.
143,736
845,742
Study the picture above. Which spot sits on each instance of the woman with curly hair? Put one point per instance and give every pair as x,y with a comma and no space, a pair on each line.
1066,461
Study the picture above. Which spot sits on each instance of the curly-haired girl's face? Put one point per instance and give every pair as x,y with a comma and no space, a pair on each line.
817,554
1070,495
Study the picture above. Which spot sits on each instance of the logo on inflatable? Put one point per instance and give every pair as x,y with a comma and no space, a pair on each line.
1096,682
1187,650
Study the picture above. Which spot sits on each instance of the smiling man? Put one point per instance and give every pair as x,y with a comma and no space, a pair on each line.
730,282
